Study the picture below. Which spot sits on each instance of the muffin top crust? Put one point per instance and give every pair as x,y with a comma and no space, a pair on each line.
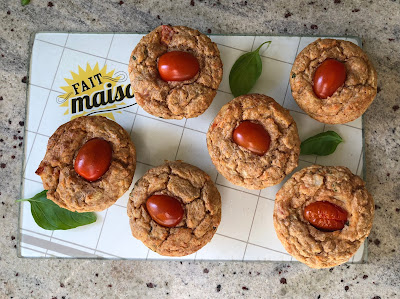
65,186
175,99
351,99
199,198
313,246
241,166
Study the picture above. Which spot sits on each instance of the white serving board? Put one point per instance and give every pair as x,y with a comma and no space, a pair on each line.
246,232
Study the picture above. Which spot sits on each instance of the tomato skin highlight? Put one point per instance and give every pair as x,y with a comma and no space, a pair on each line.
165,210
93,159
177,66
328,77
325,216
252,136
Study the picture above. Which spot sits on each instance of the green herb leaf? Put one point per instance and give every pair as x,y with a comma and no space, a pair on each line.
322,144
50,216
245,72
25,2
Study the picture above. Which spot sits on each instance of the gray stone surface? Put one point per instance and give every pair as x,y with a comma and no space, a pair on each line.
376,22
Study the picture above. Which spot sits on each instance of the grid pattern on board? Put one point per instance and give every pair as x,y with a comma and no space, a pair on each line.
246,231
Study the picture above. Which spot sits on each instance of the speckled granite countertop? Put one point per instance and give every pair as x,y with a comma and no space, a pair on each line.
376,22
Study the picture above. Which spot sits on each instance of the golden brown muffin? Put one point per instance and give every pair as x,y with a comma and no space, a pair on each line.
316,247
199,198
65,186
238,164
174,99
351,99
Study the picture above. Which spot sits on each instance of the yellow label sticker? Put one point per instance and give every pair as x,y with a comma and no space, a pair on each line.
95,91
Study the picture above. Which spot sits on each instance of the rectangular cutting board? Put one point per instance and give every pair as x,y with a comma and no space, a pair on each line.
246,232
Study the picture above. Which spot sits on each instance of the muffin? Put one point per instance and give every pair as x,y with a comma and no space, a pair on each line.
322,215
174,209
89,163
253,142
175,72
333,81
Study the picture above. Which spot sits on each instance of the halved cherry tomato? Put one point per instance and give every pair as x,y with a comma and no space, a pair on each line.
325,215
93,159
252,136
328,77
178,66
165,210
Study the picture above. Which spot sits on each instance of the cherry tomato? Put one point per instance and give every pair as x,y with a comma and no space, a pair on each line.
328,77
252,136
177,66
325,215
93,159
165,210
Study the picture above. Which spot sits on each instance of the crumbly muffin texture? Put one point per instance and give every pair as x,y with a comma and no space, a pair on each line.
69,190
200,200
174,99
239,165
316,248
350,100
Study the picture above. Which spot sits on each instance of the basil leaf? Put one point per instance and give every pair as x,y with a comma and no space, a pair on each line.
50,216
322,144
25,2
245,72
